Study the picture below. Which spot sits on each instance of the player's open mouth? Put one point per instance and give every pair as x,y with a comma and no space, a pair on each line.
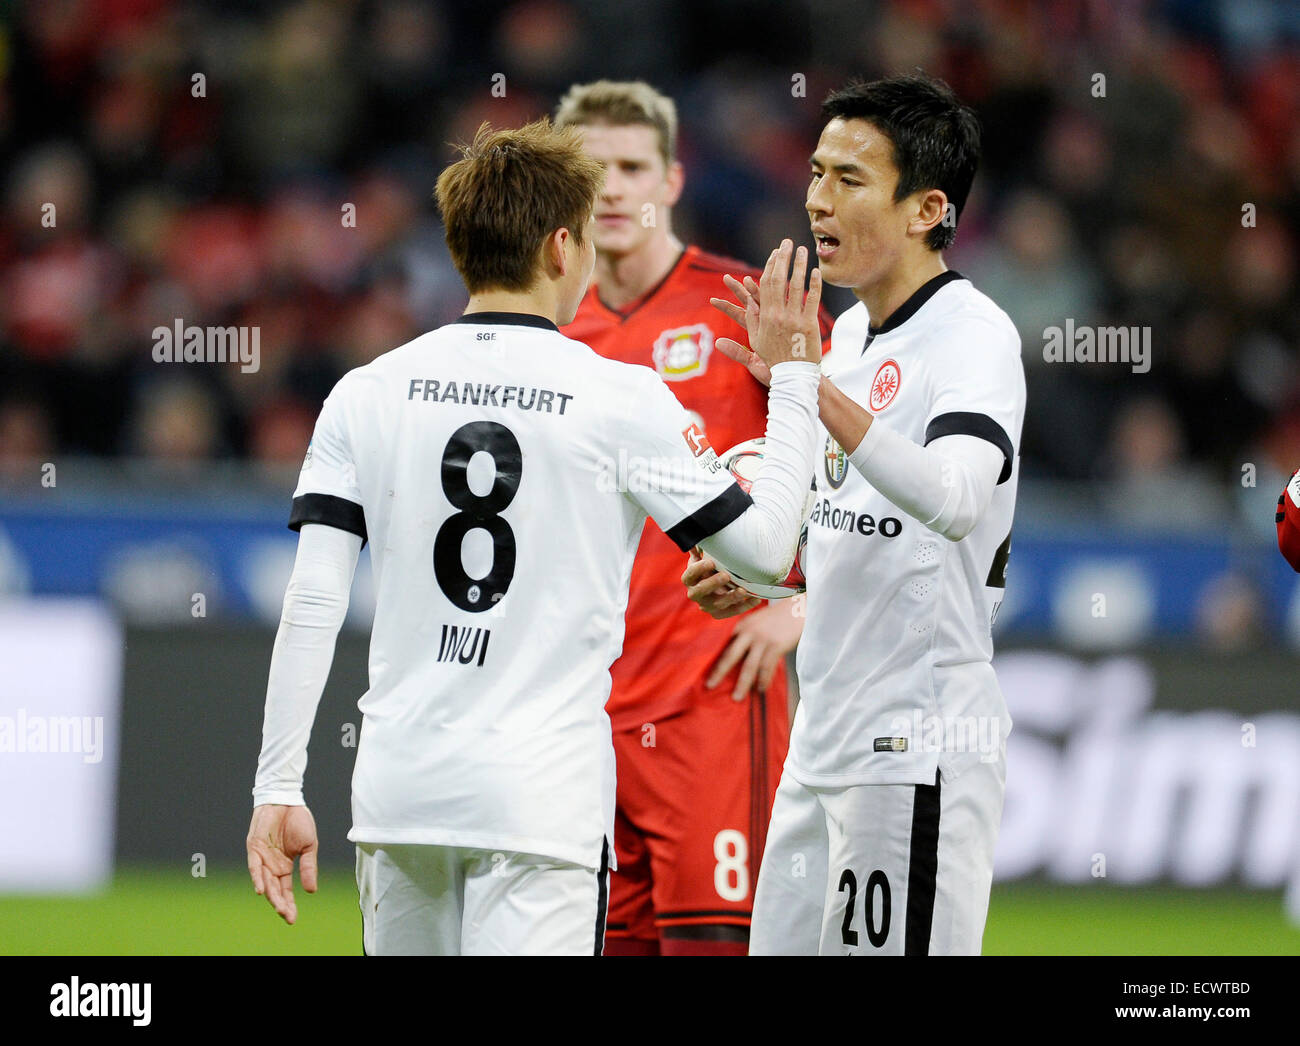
826,246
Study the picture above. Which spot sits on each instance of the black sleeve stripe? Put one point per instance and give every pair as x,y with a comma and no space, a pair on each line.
330,510
708,519
964,423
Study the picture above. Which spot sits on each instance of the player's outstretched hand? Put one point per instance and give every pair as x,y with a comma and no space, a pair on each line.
762,639
276,835
786,328
713,589
745,311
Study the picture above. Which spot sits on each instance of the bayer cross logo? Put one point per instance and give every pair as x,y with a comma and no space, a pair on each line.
683,352
884,387
837,463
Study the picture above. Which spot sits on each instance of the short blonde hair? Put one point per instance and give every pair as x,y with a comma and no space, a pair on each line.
620,103
509,191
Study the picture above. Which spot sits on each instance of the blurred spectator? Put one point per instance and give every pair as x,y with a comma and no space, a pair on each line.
280,433
177,423
25,439
1153,484
1228,614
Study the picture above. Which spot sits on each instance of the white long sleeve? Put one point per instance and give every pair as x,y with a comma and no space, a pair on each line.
946,485
759,544
315,603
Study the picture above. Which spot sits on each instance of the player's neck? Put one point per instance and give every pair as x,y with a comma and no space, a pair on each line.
624,278
884,297
541,302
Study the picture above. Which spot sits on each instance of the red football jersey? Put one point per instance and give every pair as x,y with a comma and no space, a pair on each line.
669,642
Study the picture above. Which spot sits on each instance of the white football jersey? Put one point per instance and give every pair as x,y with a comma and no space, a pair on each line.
895,679
501,473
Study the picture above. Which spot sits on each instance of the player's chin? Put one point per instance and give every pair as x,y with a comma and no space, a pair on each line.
840,272
619,242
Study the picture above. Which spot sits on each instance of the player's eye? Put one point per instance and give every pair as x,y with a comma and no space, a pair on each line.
815,175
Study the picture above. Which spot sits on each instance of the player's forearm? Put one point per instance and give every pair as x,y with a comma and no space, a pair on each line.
760,542
315,604
946,485
846,420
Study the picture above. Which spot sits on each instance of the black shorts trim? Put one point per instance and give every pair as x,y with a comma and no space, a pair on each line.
708,519
922,869
602,896
998,568
965,423
330,510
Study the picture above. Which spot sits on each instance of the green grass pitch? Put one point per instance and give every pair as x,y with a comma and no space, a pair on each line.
151,911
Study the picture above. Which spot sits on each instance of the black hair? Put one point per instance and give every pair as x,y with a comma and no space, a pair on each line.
936,138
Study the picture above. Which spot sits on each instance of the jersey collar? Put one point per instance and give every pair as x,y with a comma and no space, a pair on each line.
631,307
518,319
918,298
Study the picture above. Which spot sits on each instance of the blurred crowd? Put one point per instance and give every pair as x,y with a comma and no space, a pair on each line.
186,161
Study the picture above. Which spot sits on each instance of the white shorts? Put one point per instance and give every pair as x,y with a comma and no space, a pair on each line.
879,869
448,900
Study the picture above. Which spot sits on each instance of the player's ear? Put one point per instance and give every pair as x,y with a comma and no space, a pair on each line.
556,251
675,177
931,206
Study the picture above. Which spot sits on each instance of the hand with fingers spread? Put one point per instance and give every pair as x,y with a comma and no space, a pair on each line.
276,836
713,589
746,313
761,639
786,327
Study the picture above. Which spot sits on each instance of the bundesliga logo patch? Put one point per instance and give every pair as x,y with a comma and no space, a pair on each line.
683,352
696,439
884,387
890,744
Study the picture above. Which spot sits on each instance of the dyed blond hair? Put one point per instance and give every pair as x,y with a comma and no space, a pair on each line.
620,103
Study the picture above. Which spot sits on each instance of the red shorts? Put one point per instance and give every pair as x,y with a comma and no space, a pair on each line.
694,797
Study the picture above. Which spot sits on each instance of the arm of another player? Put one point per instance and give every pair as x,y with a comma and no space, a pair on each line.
787,339
713,589
315,603
702,505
